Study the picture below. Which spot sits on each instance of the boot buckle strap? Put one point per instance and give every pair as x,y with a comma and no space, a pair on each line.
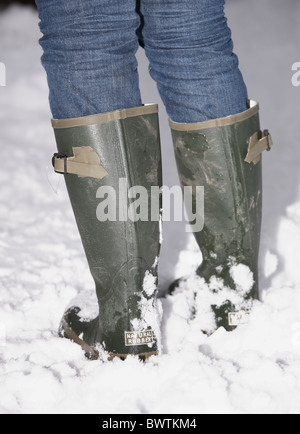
56,165
84,163
258,143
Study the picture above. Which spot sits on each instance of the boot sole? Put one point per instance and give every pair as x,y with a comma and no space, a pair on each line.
90,352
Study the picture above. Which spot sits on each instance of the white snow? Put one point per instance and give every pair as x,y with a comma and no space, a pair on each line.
256,368
242,277
271,264
149,284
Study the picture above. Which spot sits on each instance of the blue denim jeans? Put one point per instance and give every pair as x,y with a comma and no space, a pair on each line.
90,56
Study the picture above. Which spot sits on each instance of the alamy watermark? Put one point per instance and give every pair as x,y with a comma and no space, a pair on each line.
296,74
2,74
139,204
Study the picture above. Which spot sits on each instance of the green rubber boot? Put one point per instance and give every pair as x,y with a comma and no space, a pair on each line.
224,156
104,158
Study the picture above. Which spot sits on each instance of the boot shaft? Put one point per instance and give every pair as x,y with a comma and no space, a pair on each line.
212,154
223,156
122,253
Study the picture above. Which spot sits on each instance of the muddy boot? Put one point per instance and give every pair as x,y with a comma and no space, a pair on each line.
106,159
224,156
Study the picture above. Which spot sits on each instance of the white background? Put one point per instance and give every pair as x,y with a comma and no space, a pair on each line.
256,369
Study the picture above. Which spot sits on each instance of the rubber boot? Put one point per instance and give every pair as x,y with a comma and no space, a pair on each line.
103,158
223,156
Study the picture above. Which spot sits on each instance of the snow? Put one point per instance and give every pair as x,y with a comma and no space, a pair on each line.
243,278
149,284
253,370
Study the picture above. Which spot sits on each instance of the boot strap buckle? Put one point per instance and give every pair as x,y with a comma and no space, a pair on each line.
258,143
60,157
85,163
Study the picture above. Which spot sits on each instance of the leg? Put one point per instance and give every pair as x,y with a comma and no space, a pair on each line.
190,51
89,55
189,46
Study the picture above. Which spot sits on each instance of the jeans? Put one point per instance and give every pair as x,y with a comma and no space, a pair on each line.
90,57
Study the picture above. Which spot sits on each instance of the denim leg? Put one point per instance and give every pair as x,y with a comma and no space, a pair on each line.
189,46
89,55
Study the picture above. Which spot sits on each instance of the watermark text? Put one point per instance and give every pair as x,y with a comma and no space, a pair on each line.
139,204
296,74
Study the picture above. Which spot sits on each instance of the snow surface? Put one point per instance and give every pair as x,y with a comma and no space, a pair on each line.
255,369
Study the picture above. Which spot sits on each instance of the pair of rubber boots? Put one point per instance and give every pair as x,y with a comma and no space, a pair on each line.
113,172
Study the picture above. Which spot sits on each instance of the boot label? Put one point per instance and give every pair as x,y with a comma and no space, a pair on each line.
139,338
238,318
